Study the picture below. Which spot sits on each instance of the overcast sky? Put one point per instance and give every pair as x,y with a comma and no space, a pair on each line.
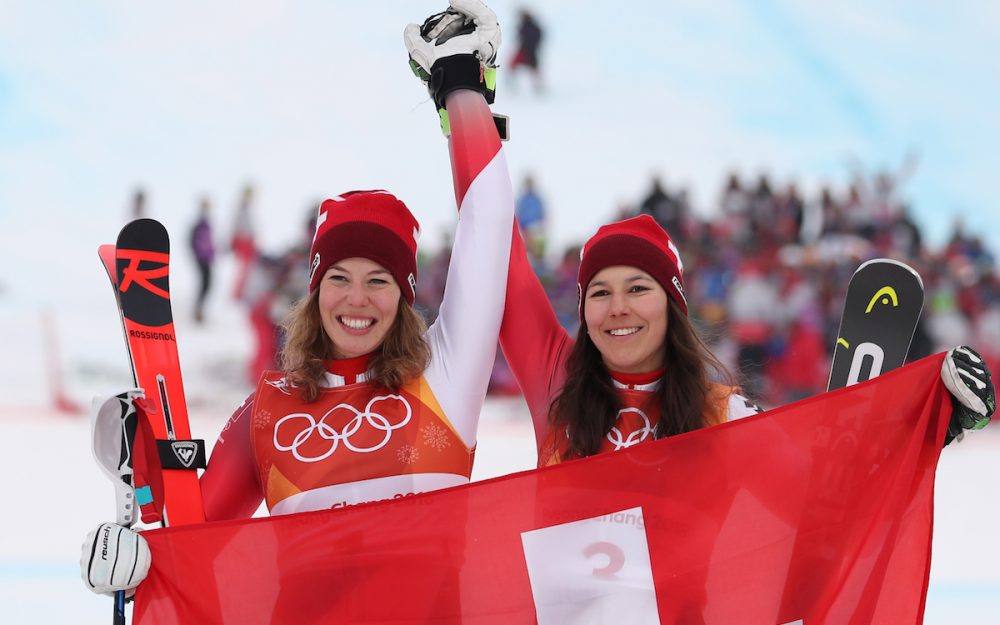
308,99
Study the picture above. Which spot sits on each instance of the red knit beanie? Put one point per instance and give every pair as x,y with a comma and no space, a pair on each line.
637,242
366,224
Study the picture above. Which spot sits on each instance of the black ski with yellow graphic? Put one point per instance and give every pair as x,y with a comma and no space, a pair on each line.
883,305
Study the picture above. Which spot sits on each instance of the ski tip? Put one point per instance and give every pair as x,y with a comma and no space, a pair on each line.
144,222
107,254
892,261
145,234
144,225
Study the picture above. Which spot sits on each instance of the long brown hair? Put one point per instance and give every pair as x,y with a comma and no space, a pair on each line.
588,405
403,355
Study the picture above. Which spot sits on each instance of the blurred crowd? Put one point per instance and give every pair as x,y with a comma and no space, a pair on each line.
266,283
766,275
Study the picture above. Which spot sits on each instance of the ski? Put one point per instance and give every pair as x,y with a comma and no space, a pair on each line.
138,267
883,304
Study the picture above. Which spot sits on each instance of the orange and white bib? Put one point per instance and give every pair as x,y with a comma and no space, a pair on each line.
354,444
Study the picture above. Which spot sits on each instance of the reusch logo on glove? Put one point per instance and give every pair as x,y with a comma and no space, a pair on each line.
105,537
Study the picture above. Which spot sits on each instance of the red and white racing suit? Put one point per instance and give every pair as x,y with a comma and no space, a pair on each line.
357,443
536,347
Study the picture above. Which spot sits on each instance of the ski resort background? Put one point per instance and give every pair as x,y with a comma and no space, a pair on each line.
96,100
766,277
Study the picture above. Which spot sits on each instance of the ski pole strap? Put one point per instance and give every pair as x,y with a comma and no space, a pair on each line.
144,495
182,454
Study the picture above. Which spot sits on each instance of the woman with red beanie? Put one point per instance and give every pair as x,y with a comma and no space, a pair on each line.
370,404
637,369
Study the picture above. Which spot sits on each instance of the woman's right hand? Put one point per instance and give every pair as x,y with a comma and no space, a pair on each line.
114,558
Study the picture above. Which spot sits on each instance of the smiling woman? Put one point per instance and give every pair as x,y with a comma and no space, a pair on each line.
372,404
637,370
358,299
362,288
627,311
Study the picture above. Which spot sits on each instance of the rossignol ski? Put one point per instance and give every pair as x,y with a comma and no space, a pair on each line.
138,267
881,310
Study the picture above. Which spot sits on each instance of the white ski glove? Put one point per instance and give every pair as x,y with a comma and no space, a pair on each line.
114,558
455,49
968,379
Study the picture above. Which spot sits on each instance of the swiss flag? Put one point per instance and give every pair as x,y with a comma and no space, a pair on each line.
816,513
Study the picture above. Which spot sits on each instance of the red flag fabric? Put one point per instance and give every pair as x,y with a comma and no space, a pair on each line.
817,512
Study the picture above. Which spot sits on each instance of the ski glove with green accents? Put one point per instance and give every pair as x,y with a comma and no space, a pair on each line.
455,49
973,398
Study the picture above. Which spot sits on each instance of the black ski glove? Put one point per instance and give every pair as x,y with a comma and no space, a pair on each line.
973,397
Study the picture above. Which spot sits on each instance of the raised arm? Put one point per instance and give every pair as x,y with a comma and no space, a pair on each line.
464,336
453,52
533,341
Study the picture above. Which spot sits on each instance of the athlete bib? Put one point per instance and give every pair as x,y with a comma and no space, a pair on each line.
636,423
352,445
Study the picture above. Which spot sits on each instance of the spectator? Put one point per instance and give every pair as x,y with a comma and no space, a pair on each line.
752,314
789,210
735,205
529,42
433,274
138,210
204,254
665,209
275,284
243,243
531,216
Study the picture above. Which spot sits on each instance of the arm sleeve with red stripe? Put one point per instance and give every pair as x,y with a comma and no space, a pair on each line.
533,341
463,338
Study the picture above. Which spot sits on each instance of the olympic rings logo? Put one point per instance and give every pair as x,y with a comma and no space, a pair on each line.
335,438
619,440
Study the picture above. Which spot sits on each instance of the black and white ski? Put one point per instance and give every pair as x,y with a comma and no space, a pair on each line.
881,310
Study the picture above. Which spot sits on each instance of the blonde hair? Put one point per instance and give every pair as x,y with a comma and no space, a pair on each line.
402,356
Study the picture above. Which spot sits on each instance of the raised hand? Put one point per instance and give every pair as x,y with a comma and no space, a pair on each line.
968,379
